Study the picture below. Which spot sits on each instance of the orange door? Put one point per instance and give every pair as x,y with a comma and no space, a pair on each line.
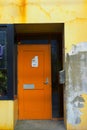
34,82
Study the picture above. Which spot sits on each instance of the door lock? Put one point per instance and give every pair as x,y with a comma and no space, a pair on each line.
47,81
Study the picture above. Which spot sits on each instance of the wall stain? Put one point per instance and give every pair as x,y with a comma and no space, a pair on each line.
44,7
21,4
76,81
23,10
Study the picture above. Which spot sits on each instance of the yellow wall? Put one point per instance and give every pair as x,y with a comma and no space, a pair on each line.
40,11
75,32
6,115
73,13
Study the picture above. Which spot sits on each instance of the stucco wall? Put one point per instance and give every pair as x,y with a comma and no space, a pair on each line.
76,73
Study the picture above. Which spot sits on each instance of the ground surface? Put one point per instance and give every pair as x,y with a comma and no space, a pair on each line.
40,125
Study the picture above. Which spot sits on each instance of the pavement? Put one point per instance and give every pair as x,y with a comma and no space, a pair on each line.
40,125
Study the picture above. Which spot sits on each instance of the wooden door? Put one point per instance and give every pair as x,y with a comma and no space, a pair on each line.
34,81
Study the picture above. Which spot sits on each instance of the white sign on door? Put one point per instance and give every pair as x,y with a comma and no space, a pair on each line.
35,61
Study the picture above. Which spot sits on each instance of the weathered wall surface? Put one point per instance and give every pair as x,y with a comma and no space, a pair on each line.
74,16
40,11
76,86
76,73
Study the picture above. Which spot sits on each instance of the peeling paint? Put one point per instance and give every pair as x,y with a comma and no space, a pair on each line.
78,102
76,81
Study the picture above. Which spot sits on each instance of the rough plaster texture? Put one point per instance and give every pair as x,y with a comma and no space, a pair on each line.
76,82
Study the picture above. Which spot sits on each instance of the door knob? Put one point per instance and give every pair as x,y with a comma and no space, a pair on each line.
47,81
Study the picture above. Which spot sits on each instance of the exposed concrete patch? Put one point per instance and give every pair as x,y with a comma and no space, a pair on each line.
76,81
78,102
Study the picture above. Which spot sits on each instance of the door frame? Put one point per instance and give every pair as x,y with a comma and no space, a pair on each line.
49,35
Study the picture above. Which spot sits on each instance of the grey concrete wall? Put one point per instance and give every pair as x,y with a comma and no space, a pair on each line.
76,82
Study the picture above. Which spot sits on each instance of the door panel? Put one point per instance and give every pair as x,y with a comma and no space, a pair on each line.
34,82
36,99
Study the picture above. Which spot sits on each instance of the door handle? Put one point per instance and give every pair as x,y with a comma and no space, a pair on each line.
47,81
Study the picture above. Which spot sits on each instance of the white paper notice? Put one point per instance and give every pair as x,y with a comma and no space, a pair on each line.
35,61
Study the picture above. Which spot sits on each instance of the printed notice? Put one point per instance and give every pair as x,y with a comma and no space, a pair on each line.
35,61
